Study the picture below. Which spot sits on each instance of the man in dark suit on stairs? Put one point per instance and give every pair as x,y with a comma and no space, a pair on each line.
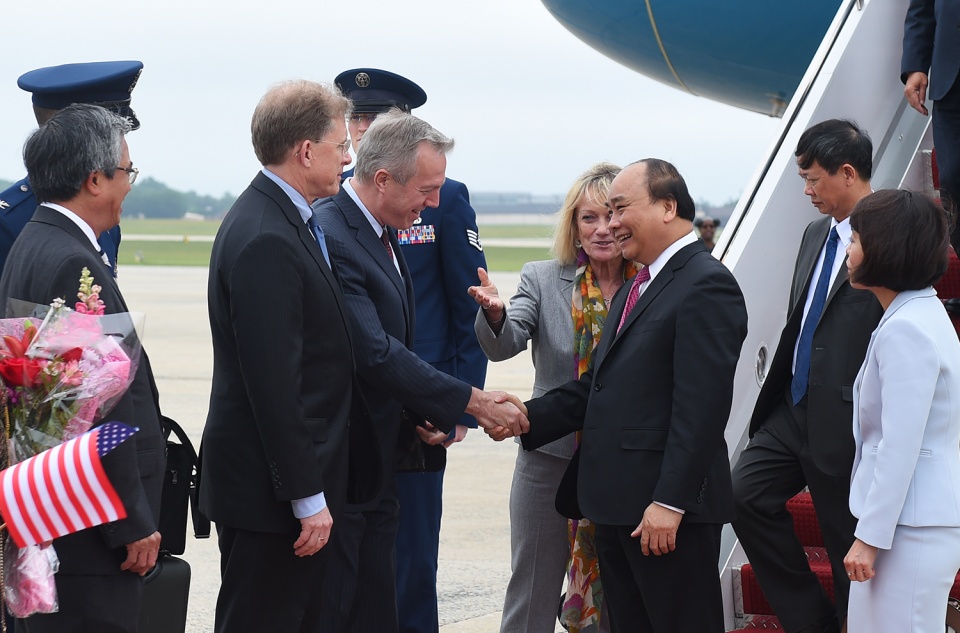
801,429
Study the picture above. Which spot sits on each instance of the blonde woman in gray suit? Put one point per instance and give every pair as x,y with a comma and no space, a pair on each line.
905,486
560,305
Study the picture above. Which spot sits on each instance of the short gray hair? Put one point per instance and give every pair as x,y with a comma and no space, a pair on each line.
62,153
292,112
392,143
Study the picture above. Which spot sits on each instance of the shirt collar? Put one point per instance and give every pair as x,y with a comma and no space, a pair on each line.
348,187
76,219
295,196
844,232
669,252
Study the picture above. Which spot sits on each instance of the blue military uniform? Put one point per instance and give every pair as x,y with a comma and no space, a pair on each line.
107,84
443,251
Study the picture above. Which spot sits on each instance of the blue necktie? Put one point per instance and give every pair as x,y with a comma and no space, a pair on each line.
801,375
318,233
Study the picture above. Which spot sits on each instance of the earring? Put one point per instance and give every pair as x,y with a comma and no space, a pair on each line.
577,243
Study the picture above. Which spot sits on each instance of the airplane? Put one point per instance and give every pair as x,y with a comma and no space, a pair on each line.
750,54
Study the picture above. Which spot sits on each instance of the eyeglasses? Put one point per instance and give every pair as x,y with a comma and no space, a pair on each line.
708,226
360,117
132,173
344,147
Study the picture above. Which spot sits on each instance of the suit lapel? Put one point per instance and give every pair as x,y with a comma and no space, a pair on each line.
808,261
370,242
408,297
46,215
305,235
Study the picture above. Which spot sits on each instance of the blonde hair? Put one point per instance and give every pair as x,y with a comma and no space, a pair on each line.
592,185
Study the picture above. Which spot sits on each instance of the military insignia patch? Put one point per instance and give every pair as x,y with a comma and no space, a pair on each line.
473,238
422,234
362,79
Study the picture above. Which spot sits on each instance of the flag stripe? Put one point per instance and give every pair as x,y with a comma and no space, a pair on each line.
83,460
46,523
72,471
48,500
63,495
97,479
29,506
11,508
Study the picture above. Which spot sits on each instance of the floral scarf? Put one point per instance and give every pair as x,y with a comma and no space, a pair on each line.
581,605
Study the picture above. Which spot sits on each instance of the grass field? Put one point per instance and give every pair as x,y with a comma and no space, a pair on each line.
192,253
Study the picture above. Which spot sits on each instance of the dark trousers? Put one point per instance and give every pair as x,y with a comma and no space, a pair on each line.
677,592
265,586
946,140
418,546
361,588
776,465
105,604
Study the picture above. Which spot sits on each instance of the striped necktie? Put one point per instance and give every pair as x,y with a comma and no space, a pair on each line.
643,275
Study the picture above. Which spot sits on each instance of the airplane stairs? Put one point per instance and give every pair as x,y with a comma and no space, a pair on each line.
753,609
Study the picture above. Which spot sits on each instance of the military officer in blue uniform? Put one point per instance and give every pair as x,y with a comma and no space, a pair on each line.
106,84
443,252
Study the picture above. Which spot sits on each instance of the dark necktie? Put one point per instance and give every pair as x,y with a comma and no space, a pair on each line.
801,375
643,275
318,234
385,238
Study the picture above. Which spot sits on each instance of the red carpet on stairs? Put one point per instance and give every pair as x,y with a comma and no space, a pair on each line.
757,611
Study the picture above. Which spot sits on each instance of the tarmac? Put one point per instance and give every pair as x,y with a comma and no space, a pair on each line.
474,562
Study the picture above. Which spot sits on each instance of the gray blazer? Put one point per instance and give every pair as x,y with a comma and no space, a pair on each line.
539,312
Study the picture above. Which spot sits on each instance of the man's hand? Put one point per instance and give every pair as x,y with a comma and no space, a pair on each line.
915,90
142,554
314,533
495,409
458,434
859,561
487,297
658,530
430,434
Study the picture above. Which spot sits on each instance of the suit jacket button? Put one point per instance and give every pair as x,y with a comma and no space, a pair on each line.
597,387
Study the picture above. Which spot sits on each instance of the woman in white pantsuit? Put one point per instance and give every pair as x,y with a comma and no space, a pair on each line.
905,487
560,305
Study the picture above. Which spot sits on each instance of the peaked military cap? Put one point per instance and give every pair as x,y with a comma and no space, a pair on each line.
374,90
106,84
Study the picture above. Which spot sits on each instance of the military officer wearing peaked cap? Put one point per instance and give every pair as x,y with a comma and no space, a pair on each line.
107,84
442,251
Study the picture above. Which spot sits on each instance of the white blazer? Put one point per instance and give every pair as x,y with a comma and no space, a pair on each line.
906,422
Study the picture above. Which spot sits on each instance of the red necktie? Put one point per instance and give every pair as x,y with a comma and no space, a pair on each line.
643,275
385,238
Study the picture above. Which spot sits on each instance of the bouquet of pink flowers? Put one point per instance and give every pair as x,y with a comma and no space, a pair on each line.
61,371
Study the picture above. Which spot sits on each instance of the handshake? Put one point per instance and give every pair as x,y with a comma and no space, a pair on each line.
501,414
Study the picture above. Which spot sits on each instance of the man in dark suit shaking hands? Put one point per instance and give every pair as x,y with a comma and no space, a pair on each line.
80,169
276,443
401,165
653,472
801,430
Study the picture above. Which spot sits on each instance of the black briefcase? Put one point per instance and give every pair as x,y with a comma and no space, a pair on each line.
165,594
181,487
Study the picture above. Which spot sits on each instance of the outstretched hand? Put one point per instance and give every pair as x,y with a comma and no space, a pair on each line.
487,296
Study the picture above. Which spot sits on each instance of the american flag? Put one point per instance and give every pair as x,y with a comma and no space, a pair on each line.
64,489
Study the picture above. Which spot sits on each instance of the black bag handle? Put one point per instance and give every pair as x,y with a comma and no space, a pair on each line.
201,524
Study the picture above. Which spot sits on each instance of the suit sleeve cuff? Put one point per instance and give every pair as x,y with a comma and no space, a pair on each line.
309,506
663,505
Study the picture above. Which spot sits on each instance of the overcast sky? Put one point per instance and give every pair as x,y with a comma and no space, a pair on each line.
529,105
